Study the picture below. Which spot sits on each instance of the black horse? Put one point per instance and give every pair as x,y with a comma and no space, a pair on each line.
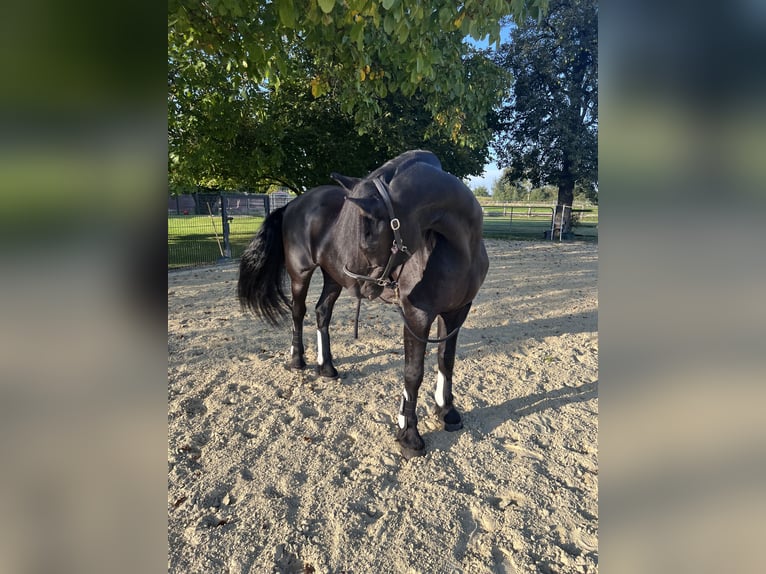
410,234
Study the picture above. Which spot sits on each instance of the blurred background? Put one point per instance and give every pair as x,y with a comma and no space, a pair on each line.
82,349
682,265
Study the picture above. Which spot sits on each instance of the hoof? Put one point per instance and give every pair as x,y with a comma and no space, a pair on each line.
411,443
327,371
409,453
296,365
450,418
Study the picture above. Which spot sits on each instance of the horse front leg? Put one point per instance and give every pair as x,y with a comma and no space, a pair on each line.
299,290
410,442
330,292
445,408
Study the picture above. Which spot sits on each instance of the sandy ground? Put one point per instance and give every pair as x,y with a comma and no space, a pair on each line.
272,471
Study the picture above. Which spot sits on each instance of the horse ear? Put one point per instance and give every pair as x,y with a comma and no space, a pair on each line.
365,205
345,181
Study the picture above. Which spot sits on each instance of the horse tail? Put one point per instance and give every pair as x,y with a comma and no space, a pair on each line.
262,276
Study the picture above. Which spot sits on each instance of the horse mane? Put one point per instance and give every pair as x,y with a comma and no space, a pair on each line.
400,163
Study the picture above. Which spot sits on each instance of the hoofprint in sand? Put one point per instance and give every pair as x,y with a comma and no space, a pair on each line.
275,471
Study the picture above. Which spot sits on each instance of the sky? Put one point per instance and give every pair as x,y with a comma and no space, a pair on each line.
491,174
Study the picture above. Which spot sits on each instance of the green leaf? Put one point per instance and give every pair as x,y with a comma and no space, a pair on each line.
357,33
327,5
472,29
389,23
445,16
388,4
287,13
403,31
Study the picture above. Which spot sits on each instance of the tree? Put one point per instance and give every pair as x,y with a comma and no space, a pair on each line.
481,191
503,190
365,49
549,128
349,64
289,137
228,133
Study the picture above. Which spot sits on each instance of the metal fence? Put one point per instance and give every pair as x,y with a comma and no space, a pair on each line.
207,228
530,221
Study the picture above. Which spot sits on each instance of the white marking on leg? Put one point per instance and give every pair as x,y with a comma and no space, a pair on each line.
320,351
405,395
400,419
292,351
441,400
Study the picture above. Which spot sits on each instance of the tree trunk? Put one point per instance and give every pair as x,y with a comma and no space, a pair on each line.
562,218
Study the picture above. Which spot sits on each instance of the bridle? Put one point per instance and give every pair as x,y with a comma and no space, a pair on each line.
385,279
398,246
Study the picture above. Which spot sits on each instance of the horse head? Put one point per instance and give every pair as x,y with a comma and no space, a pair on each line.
369,229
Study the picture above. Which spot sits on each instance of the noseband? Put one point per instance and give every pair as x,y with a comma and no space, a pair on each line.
385,280
398,247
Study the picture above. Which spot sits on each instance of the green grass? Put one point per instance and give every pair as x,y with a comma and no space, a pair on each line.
192,238
520,221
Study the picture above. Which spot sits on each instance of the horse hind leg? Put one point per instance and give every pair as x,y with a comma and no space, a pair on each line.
445,407
299,290
330,292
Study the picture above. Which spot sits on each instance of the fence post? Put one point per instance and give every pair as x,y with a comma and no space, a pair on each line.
225,219
563,218
553,221
561,224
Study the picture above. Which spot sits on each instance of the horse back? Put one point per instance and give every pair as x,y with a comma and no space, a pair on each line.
403,162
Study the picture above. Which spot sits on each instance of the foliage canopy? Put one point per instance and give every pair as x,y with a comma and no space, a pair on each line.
359,78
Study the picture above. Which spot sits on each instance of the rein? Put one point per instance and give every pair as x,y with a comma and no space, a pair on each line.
385,280
426,340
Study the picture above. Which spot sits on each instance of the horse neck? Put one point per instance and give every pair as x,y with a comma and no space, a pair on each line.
452,216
